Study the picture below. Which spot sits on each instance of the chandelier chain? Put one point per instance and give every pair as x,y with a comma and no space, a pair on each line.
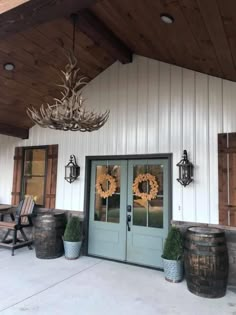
74,19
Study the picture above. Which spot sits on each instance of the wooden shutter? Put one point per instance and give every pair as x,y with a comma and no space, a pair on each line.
51,179
17,176
227,178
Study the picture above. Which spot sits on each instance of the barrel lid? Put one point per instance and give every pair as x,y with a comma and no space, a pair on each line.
205,230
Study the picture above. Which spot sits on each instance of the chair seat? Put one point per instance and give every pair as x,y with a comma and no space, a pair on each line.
8,225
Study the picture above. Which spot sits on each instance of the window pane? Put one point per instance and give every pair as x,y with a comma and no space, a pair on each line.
113,214
139,211
107,194
34,186
100,209
148,212
155,213
114,171
35,160
155,206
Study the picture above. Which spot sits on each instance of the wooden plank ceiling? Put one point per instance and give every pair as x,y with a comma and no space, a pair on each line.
34,35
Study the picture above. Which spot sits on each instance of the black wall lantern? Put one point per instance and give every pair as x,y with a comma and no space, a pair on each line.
72,170
185,170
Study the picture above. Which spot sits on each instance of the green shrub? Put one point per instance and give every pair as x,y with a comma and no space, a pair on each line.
73,231
173,248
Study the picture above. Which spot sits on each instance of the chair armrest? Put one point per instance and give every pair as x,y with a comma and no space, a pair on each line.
29,216
9,212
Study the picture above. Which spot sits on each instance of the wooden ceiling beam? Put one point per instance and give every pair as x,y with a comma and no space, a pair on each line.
17,132
36,12
90,25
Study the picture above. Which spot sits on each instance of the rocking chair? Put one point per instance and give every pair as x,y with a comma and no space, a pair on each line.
22,220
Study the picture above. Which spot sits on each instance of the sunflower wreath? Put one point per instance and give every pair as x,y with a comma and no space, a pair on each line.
112,185
152,182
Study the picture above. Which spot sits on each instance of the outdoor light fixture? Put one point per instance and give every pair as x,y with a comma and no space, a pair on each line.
72,170
185,170
167,18
69,111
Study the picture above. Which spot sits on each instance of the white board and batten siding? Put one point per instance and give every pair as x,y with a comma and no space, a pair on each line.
155,108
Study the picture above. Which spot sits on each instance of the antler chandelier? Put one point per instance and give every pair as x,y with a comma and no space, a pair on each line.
69,112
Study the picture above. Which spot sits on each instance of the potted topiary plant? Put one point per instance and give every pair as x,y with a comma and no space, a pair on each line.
173,255
72,238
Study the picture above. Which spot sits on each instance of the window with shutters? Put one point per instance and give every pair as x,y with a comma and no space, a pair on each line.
35,174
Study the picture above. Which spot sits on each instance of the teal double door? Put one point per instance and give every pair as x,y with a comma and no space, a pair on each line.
129,210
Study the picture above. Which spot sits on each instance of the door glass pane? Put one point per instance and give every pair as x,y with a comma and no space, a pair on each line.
155,213
148,195
155,206
139,212
34,186
139,204
100,208
113,214
107,194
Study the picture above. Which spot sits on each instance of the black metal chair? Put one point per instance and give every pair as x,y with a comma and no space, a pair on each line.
22,220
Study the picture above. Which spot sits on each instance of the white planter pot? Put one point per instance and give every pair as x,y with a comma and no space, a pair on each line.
72,249
173,270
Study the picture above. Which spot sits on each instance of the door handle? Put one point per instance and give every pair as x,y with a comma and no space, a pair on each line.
128,220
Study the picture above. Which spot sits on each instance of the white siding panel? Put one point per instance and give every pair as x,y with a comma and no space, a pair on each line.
67,196
61,173
7,145
189,142
202,149
155,108
164,108
91,141
132,107
229,108
152,110
104,99
112,94
120,137
176,139
215,127
142,105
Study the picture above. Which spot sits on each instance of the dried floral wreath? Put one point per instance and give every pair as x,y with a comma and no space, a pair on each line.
153,185
112,185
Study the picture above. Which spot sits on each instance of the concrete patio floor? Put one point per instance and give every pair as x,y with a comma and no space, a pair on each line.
90,286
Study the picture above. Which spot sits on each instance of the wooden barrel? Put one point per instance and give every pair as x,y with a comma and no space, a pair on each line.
206,261
48,231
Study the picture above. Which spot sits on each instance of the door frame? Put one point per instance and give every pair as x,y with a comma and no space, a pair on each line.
87,185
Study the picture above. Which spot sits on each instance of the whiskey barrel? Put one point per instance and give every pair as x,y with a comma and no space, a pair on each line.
206,261
48,231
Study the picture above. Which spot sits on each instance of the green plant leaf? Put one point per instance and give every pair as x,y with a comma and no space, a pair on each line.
173,248
73,230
